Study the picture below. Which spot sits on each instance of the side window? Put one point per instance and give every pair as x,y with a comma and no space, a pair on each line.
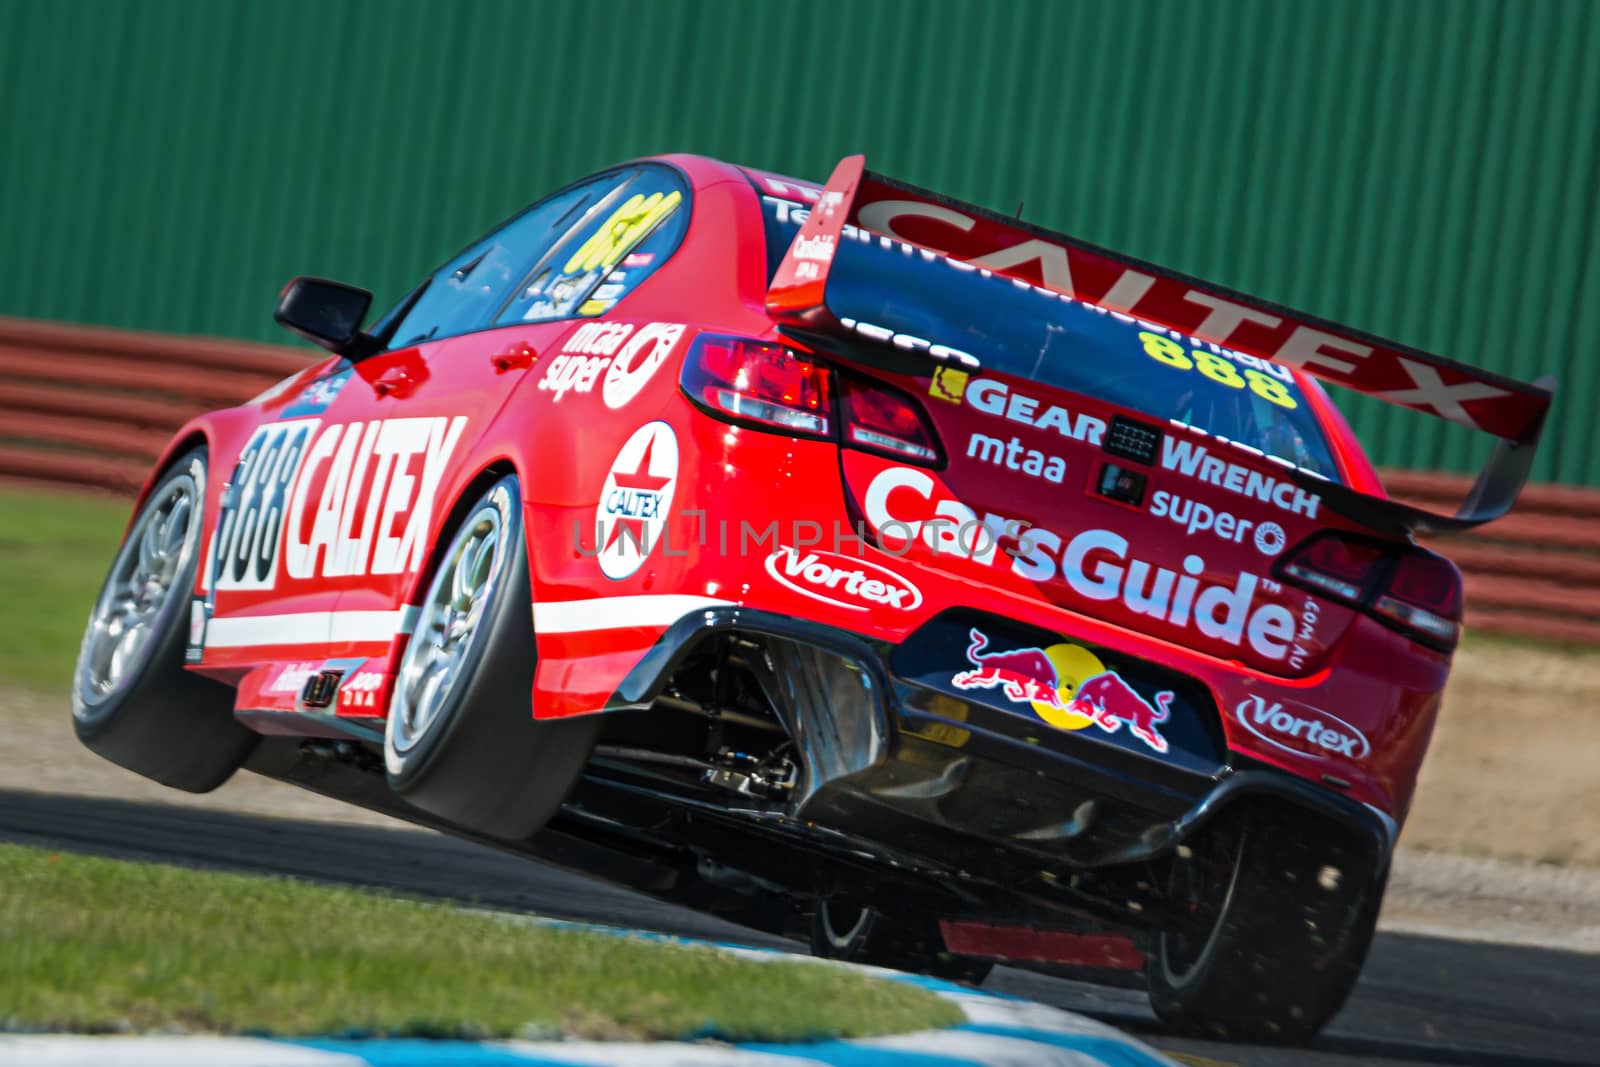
464,293
599,262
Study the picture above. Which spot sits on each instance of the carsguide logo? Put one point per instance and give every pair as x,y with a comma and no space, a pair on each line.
1301,730
905,505
843,581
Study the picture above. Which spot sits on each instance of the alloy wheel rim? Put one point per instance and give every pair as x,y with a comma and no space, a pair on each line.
124,621
447,627
853,918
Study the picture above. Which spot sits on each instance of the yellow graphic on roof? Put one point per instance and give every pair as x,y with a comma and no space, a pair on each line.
627,226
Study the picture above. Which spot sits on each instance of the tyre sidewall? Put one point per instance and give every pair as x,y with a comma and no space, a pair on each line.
168,638
1261,976
166,722
511,593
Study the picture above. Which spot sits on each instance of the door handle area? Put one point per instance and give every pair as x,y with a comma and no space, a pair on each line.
395,383
519,356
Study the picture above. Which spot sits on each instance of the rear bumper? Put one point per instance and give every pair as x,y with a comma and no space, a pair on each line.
898,768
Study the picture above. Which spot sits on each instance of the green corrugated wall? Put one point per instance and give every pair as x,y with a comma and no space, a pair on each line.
1424,170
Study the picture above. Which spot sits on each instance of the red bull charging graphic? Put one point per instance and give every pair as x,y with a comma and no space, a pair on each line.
1067,686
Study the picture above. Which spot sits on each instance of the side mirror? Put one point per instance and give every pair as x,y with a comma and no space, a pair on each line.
326,313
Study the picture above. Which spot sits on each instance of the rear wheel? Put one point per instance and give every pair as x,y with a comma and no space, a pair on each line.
461,741
132,700
1281,909
844,929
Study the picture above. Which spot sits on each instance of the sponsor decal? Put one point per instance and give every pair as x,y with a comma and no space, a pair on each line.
843,581
1209,320
371,516
626,226
291,677
628,357
636,498
1012,455
1195,461
316,398
817,249
909,342
1067,686
1303,730
377,472
638,361
1095,564
1270,539
948,384
996,398
583,356
1305,631
361,690
1065,270
638,259
1270,382
1196,517
245,548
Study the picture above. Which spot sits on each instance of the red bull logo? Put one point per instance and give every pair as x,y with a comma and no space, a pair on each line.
1067,686
1111,702
1023,674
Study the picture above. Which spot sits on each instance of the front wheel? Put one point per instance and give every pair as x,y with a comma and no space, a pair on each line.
1279,910
461,741
132,700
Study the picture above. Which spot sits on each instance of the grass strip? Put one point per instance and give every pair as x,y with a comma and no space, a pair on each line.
95,945
55,550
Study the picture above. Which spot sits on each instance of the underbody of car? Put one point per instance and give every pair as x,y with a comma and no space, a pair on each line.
879,568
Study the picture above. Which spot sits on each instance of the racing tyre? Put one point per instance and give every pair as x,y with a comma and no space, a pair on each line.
461,741
132,700
1281,910
845,930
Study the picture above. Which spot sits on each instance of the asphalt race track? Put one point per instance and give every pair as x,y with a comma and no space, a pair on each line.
1420,1001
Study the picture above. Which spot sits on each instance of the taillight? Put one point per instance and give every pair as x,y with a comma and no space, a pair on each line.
1405,587
1339,566
881,418
778,387
759,382
1423,594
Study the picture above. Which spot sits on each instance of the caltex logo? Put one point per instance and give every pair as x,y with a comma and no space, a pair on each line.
637,496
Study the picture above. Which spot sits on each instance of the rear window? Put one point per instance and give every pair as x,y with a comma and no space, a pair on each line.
1018,329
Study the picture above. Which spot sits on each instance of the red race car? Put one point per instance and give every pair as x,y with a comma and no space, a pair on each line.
846,558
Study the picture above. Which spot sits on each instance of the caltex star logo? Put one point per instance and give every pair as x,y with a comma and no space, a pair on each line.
640,481
637,496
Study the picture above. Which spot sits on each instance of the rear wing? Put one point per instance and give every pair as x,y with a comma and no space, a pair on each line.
855,197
